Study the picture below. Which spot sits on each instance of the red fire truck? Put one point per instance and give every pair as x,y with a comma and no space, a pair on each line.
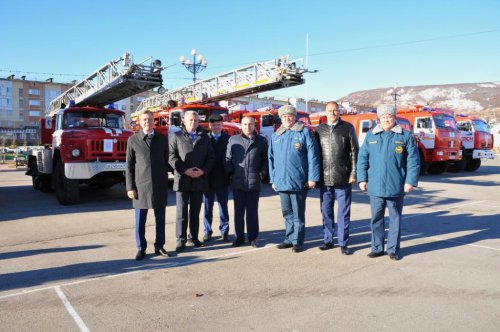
477,142
439,140
83,141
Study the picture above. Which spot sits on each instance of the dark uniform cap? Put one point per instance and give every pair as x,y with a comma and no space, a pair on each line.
215,118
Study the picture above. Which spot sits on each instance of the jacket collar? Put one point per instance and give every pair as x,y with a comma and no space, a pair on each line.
199,131
298,126
397,129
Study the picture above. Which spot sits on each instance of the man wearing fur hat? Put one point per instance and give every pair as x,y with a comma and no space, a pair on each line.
388,167
294,167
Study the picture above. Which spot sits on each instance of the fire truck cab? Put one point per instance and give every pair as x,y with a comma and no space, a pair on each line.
439,140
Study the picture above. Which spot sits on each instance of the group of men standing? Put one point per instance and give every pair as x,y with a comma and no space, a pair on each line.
295,160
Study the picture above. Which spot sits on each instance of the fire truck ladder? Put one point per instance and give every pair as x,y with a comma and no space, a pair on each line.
115,81
258,77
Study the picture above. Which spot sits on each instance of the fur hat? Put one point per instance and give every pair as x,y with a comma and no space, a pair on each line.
383,109
287,109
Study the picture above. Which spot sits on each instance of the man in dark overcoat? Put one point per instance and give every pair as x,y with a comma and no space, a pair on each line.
147,181
192,157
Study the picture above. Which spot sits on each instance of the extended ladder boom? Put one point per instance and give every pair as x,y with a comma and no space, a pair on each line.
258,77
115,81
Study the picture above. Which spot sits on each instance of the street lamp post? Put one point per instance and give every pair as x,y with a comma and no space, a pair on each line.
194,67
395,93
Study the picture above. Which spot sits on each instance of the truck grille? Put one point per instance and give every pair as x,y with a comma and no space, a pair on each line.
97,150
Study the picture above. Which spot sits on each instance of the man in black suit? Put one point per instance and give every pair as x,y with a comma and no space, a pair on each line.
191,156
218,181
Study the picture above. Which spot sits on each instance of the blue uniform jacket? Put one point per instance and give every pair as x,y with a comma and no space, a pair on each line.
293,158
387,160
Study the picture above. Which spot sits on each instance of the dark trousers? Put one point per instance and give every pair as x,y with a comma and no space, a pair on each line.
208,204
395,207
140,228
188,204
293,207
342,194
246,202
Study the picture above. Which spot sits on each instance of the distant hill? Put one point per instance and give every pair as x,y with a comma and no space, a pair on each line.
482,99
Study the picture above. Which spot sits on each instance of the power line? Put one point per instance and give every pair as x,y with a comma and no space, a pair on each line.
347,50
406,43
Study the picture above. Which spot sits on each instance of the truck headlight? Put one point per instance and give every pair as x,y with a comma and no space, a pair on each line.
75,153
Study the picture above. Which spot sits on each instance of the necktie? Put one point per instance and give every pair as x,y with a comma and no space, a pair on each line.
148,139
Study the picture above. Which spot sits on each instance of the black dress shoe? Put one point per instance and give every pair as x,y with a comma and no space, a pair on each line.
394,256
297,248
375,254
180,247
327,246
140,255
207,237
162,252
225,238
284,245
345,251
197,243
237,242
254,243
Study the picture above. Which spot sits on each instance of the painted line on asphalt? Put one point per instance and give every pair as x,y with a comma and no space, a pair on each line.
78,320
197,260
151,268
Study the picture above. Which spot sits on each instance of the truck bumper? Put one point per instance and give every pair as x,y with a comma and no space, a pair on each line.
447,154
480,154
88,170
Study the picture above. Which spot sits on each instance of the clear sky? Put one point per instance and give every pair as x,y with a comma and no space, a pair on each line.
355,45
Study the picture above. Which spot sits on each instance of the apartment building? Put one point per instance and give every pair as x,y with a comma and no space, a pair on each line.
23,103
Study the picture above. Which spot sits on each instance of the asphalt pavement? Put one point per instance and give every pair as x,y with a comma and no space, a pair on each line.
70,268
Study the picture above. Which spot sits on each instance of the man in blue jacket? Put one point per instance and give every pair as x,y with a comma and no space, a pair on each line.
388,167
294,167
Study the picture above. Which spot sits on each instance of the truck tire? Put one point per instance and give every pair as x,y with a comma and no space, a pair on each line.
40,182
423,165
458,165
438,167
67,191
472,165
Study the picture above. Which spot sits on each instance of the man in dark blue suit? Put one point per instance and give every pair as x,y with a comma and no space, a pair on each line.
218,181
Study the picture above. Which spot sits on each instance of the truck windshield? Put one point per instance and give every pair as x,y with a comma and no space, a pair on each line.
404,123
205,114
445,121
480,126
92,119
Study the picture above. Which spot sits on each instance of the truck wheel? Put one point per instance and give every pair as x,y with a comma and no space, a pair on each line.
67,191
459,165
472,165
423,165
438,167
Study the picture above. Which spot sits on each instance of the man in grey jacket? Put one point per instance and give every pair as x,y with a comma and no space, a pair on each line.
147,181
192,157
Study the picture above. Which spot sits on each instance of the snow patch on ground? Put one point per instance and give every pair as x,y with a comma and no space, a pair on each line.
461,104
495,85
